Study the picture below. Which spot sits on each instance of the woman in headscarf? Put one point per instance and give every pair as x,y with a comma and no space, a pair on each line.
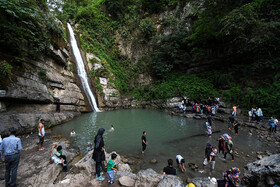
98,154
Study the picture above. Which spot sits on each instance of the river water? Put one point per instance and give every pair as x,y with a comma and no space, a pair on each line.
167,136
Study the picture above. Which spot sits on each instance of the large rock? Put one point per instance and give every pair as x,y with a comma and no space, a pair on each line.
170,181
203,182
264,172
126,181
148,177
172,103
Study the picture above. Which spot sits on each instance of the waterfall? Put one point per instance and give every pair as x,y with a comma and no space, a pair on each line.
82,70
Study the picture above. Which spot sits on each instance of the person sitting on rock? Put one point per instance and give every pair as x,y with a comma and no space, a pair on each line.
53,157
169,170
180,163
89,147
61,157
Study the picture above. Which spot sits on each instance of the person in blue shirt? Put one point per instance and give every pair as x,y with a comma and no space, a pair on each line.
11,147
271,124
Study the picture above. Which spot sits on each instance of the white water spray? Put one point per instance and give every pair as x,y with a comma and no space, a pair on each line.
81,69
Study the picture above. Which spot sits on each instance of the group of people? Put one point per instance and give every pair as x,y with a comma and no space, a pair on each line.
255,114
273,124
199,108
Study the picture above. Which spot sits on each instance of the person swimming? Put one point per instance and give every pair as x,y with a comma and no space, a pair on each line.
112,128
72,133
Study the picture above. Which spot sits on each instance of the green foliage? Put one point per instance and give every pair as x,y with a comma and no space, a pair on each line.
117,8
157,6
147,28
5,70
267,97
171,53
25,29
180,85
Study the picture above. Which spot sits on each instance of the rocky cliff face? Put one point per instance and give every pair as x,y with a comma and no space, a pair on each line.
264,172
30,94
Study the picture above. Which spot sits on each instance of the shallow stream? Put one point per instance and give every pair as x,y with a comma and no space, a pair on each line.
167,136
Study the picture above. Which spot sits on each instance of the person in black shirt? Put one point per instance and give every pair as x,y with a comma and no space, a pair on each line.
169,170
144,142
210,120
235,126
208,151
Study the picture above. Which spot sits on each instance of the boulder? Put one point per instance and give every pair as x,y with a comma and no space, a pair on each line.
170,181
203,182
264,172
127,181
172,103
148,177
153,161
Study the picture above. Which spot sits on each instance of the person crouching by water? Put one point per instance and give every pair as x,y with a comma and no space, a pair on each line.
144,142
61,157
11,147
169,170
180,163
98,154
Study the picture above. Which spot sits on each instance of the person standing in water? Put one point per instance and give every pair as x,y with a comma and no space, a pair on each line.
144,142
98,154
41,134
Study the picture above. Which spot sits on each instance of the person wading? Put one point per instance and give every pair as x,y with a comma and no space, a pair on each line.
144,142
41,134
11,147
98,154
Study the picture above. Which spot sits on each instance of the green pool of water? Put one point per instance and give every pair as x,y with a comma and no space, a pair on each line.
167,136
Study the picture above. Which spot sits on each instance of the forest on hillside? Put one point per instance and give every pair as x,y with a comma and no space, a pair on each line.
239,40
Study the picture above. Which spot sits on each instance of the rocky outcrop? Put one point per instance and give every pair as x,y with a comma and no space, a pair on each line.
264,172
203,182
83,174
30,94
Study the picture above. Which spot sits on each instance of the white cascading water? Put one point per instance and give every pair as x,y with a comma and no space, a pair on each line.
81,69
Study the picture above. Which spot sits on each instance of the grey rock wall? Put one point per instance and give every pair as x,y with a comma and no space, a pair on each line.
33,89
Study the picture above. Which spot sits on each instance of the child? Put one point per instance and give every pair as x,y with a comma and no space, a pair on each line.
61,157
180,162
72,133
209,129
89,148
111,168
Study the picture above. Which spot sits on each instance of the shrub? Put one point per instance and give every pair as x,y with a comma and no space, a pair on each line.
147,28
5,70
